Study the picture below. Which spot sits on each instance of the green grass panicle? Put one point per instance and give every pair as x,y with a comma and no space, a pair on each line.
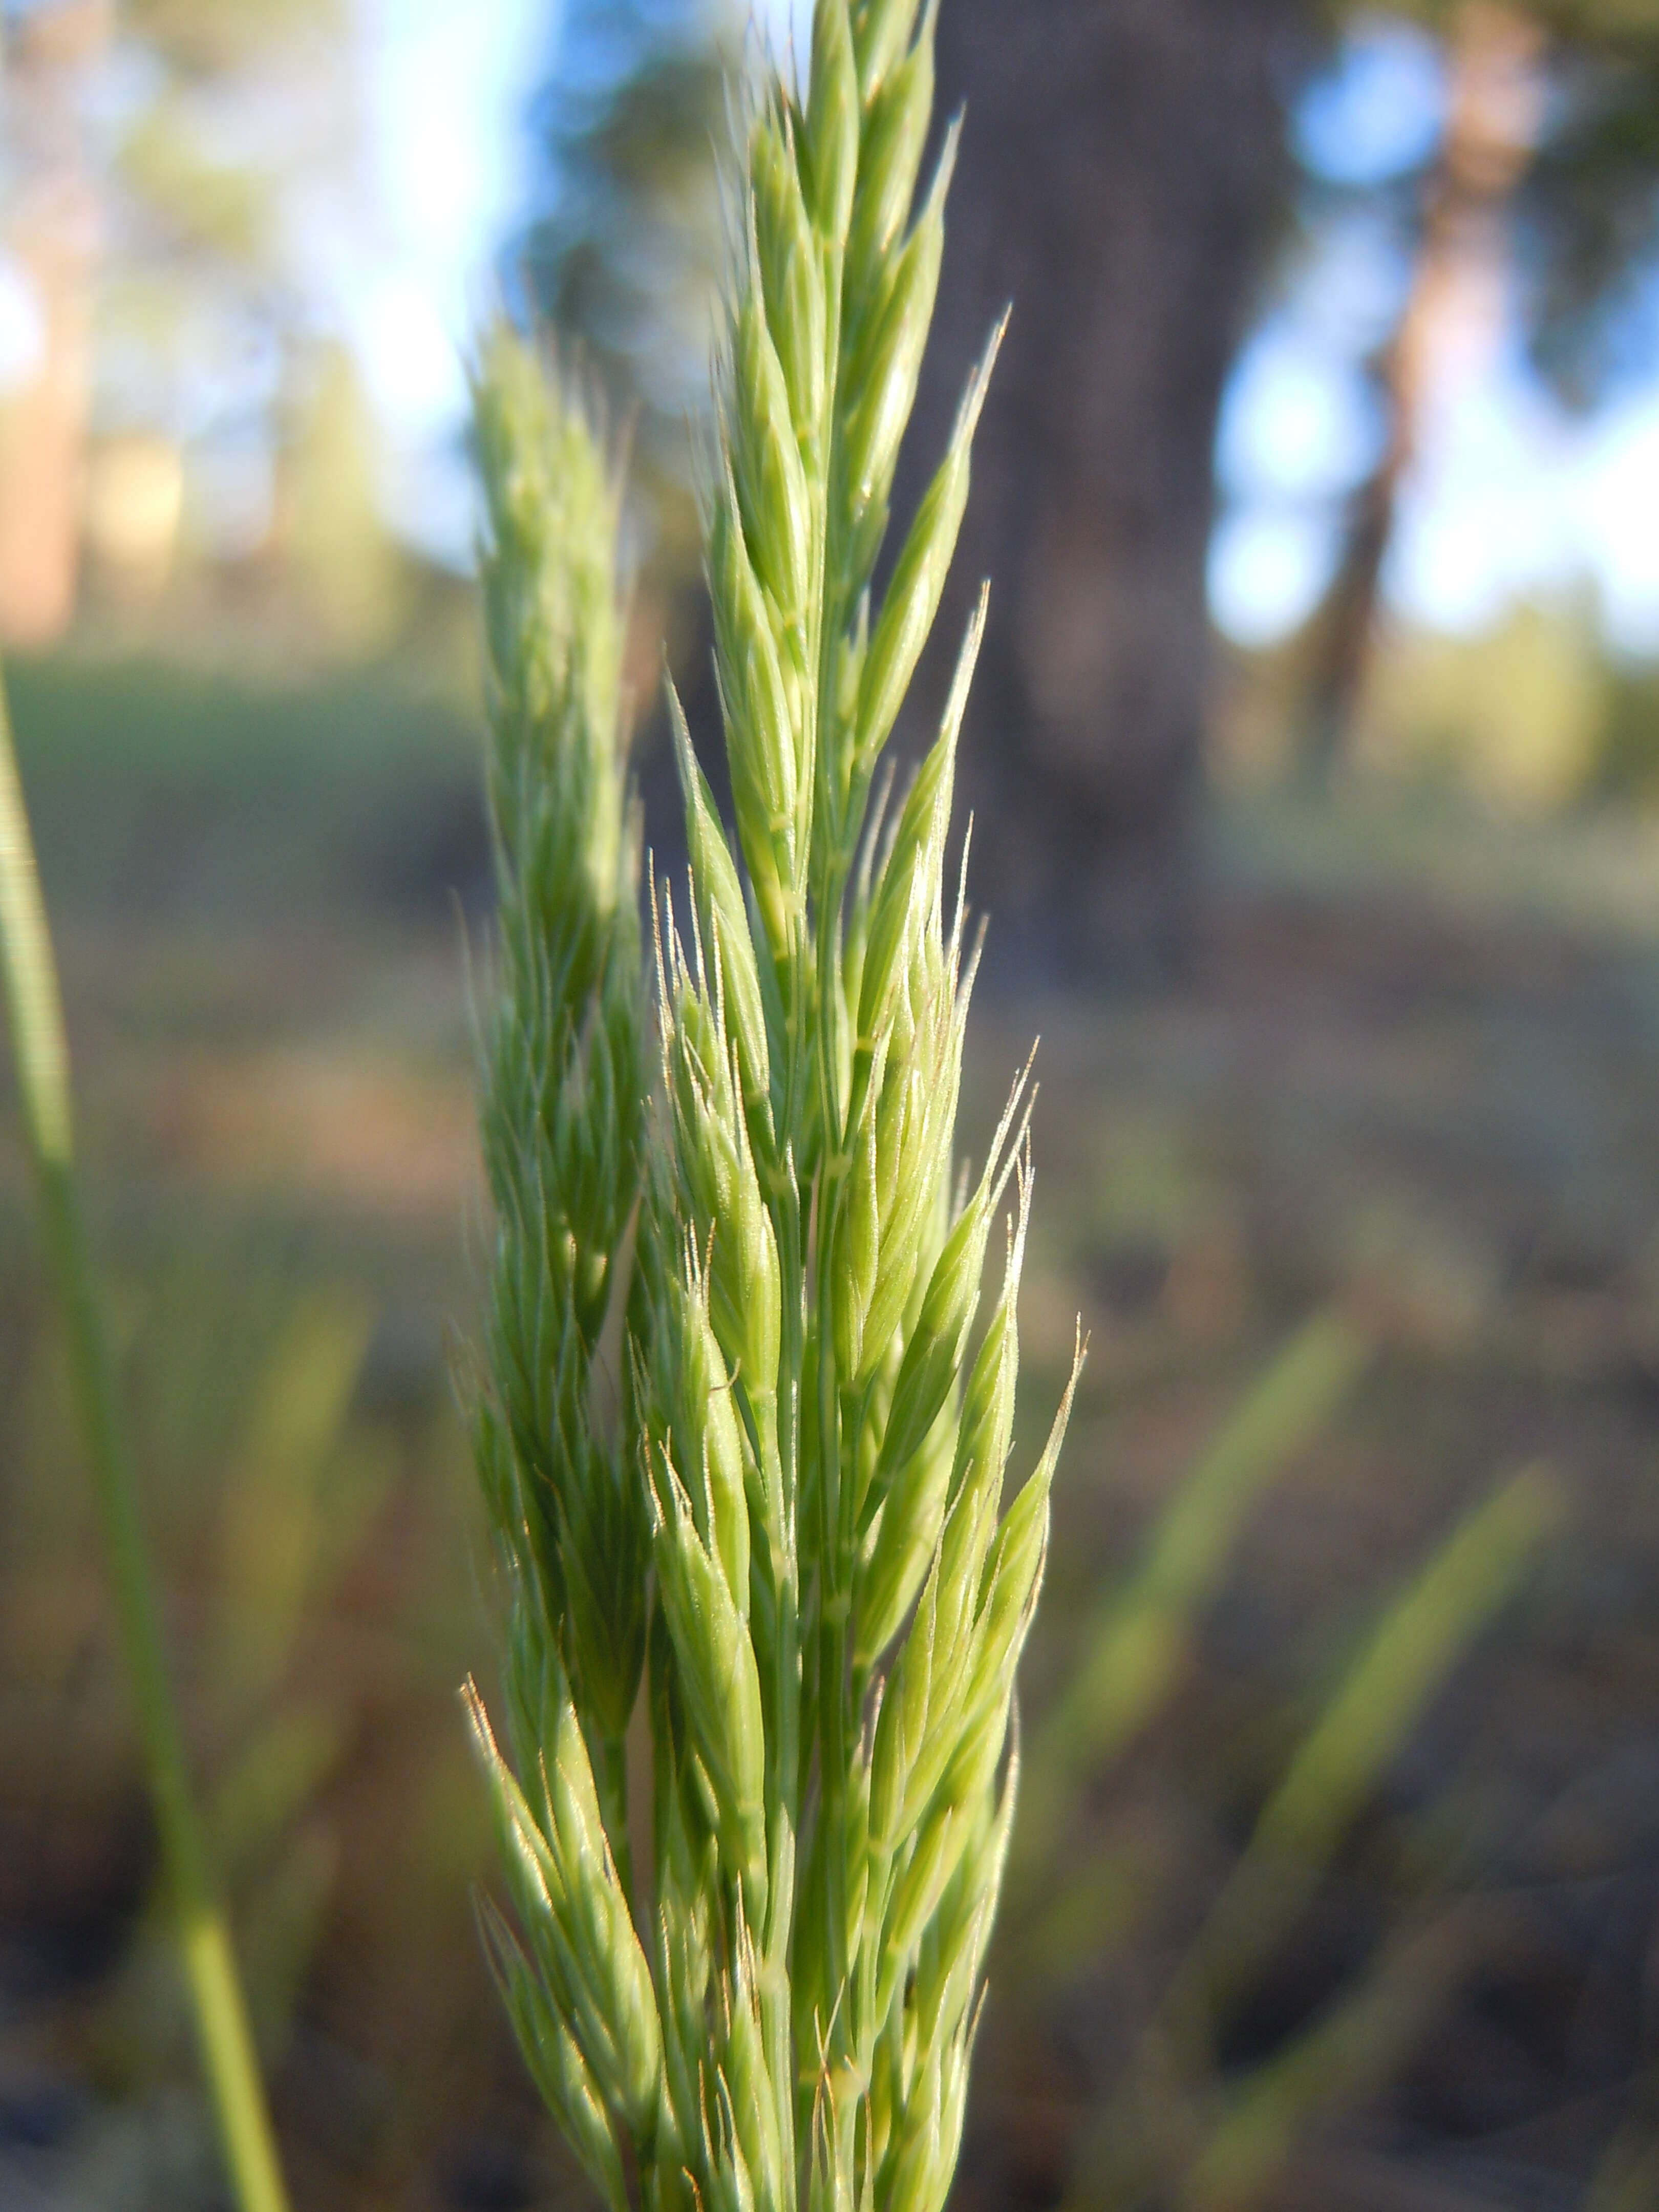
753,1481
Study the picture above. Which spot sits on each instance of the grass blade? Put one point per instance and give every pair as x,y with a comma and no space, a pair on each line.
41,1057
1133,1649
1420,1639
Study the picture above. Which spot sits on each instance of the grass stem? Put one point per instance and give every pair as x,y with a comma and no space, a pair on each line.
36,1019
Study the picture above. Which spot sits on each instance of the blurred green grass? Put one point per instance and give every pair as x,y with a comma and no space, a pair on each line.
1593,869
164,791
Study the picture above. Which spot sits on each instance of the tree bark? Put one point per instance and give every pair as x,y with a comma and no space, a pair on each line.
50,229
1493,115
1122,164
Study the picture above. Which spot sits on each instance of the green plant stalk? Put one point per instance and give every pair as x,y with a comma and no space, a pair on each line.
1420,1639
1139,1638
1142,1633
1348,2052
36,1020
1626,2179
1406,1662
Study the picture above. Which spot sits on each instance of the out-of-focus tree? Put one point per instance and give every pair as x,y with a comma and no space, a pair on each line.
1127,163
50,233
1125,168
1458,208
1589,201
622,260
621,264
204,326
156,156
344,563
237,99
1542,192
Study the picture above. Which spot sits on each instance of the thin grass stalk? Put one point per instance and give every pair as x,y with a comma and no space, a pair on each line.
1132,1650
1353,2049
1422,1636
40,1056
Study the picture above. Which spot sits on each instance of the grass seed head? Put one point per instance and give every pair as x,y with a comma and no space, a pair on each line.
784,1533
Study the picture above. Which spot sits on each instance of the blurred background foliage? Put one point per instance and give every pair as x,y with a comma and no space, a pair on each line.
1316,762
622,257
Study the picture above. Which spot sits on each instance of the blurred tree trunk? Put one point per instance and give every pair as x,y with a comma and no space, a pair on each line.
1493,103
51,230
1124,163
